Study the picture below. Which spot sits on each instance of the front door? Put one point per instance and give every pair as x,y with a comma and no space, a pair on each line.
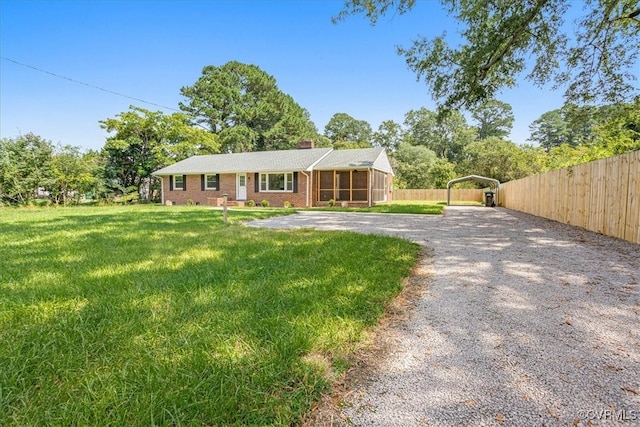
241,186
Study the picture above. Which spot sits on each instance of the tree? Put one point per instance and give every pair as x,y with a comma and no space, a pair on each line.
143,141
499,36
445,135
565,155
572,125
493,118
73,175
31,167
440,173
346,132
98,189
388,135
619,132
289,130
25,168
322,141
500,159
178,138
587,133
550,130
581,121
243,105
412,164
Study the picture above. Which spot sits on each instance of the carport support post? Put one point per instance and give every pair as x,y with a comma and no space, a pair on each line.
224,207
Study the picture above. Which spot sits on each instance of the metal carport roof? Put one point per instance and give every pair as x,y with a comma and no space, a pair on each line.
492,183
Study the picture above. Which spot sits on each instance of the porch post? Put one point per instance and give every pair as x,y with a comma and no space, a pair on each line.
334,186
370,189
350,185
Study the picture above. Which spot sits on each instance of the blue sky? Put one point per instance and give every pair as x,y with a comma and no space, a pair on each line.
150,49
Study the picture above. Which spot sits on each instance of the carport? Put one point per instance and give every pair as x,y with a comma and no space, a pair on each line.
493,184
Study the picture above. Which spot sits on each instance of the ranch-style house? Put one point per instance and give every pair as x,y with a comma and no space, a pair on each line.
304,177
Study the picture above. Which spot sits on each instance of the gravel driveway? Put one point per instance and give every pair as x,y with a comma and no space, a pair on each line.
522,322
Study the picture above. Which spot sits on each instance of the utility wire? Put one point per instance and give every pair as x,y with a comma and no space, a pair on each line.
86,84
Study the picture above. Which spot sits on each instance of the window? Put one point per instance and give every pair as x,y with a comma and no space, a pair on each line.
178,182
276,182
211,182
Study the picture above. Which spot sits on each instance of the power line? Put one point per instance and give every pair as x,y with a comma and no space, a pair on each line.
87,84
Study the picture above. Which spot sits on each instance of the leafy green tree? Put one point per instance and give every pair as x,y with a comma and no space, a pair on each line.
388,135
99,188
322,141
500,159
440,173
238,139
500,39
73,175
550,130
25,167
581,121
412,164
346,132
565,155
493,118
346,145
445,135
289,130
243,105
593,133
572,125
143,141
179,139
619,133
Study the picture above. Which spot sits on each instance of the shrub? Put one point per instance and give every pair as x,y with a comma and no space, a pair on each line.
287,204
251,203
127,198
40,203
190,202
332,202
265,203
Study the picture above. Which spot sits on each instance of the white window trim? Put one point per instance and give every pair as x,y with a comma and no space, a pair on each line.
206,181
286,181
175,187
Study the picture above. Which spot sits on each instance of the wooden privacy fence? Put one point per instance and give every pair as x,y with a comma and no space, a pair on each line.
459,195
601,196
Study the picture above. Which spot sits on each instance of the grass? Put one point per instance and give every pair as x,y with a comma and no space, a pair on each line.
398,207
150,315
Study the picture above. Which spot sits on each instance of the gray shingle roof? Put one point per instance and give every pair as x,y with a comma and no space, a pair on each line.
256,161
281,161
356,158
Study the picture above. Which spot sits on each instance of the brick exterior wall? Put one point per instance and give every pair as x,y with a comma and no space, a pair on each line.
298,199
227,183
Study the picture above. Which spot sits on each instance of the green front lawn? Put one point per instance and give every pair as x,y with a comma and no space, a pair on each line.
150,315
399,207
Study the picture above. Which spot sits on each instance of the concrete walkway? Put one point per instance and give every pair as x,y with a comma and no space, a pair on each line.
524,322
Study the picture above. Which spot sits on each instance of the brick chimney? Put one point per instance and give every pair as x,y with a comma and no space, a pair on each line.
305,144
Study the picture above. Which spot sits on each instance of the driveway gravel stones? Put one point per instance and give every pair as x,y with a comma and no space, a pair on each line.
522,322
